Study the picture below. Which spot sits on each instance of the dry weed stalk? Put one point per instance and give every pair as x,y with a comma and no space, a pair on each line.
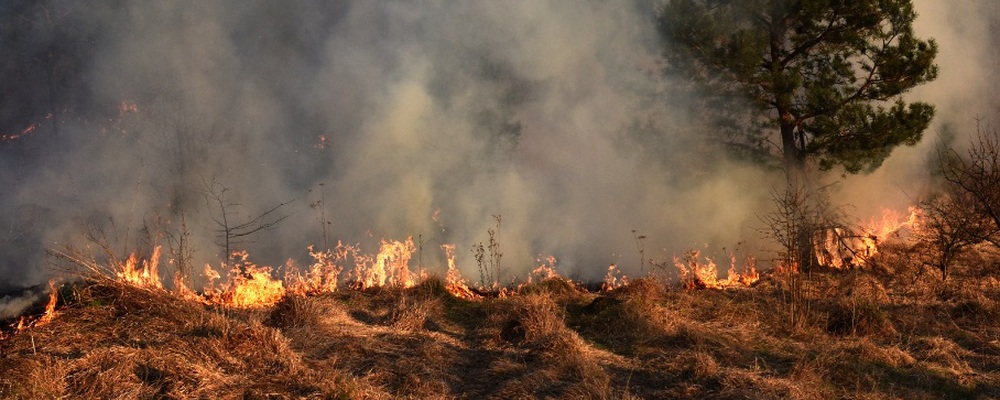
488,259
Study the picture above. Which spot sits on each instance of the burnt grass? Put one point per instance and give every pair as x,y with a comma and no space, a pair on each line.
894,330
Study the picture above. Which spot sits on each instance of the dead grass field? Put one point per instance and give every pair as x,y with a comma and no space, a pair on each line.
894,331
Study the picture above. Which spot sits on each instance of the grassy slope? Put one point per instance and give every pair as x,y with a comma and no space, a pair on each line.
896,332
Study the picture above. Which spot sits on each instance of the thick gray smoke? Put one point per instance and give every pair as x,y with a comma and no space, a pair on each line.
381,120
384,119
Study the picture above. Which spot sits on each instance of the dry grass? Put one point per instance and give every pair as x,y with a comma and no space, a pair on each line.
896,331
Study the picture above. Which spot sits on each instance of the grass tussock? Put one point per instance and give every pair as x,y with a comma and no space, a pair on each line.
897,330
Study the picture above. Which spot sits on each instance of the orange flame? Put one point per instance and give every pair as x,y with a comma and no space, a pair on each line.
891,224
840,249
125,108
390,268
253,288
182,290
454,282
322,142
546,270
321,277
695,274
145,275
248,285
50,308
614,279
25,322
13,136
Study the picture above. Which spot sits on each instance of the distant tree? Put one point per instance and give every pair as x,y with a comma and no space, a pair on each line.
814,80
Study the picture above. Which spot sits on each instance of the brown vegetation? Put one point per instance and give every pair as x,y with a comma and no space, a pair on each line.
895,331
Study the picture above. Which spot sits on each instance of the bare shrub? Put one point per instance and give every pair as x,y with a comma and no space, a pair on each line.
976,174
966,212
800,214
950,226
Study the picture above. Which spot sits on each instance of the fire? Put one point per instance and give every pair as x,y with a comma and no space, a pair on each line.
891,224
390,267
146,275
254,287
322,276
546,269
695,274
454,282
50,308
614,279
182,290
839,248
13,136
25,322
248,285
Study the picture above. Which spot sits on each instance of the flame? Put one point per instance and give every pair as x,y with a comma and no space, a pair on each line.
612,280
695,274
248,285
182,290
322,276
50,308
838,248
546,270
212,276
891,224
13,136
454,282
146,275
390,267
25,322
254,287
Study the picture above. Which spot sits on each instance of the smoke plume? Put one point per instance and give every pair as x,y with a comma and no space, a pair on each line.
387,119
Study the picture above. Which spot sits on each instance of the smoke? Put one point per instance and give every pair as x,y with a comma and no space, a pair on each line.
963,94
380,120
14,304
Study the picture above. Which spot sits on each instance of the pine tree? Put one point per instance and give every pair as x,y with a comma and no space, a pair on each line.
822,79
